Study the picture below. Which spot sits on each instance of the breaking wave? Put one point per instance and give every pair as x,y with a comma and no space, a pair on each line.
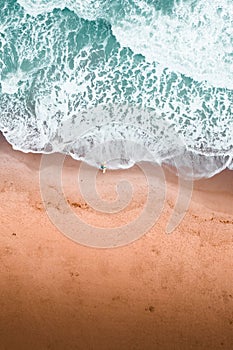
81,77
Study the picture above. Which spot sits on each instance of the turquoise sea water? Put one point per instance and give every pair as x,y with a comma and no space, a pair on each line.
108,79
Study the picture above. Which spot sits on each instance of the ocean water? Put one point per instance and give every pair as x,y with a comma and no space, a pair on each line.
121,81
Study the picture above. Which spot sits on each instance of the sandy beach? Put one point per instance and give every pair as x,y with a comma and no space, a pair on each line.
160,292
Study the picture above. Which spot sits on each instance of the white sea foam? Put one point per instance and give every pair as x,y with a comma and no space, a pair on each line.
89,9
194,40
67,67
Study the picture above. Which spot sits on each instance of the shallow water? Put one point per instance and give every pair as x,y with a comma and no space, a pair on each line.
120,81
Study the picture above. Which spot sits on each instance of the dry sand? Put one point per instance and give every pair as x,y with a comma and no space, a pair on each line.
159,292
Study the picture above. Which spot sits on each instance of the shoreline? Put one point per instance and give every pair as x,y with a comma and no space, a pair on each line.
169,167
161,291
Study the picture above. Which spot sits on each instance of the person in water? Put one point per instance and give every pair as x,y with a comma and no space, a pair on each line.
103,167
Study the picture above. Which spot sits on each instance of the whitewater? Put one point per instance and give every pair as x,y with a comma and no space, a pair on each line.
121,81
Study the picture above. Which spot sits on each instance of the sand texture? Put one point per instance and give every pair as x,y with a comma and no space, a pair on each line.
160,292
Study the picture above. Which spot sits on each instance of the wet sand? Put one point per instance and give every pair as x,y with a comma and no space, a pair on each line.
160,292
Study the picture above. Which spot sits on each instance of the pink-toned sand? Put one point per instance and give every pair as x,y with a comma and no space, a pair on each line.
160,292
